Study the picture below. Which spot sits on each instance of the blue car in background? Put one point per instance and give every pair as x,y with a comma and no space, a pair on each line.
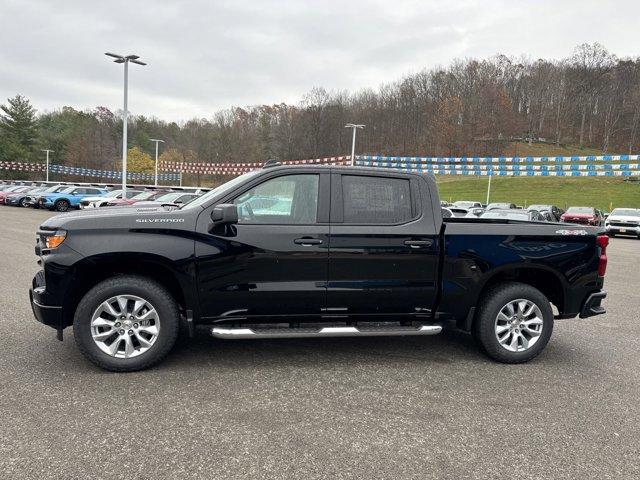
68,198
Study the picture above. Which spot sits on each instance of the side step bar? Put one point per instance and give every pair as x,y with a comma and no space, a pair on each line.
363,331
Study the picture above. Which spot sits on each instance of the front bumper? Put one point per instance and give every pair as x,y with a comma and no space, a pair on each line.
45,203
48,314
592,305
623,230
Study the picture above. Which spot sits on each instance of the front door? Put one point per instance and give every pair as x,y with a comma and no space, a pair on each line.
383,258
275,261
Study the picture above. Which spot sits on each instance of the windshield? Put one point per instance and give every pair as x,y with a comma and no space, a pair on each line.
506,215
144,195
586,210
169,197
629,212
491,206
113,194
54,188
68,190
220,189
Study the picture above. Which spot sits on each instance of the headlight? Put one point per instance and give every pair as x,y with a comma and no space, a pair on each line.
55,240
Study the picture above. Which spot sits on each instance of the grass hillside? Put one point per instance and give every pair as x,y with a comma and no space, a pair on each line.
537,149
601,192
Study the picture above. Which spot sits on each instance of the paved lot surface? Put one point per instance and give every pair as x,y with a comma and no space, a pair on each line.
390,408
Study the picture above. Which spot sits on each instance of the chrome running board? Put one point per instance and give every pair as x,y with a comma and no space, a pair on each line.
305,332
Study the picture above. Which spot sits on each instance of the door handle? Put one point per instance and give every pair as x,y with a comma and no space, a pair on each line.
418,243
307,241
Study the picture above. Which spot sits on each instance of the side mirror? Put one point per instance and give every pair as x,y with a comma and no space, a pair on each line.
225,214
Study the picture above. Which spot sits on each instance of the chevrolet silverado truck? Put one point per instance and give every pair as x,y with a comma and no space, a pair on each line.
310,251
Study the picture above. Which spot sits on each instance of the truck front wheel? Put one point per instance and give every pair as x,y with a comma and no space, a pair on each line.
126,323
514,322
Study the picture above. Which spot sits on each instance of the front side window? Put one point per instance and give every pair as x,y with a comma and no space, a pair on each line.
376,200
290,199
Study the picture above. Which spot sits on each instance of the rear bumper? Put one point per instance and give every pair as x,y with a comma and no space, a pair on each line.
592,305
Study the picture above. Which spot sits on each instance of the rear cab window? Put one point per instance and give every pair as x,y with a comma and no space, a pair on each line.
374,200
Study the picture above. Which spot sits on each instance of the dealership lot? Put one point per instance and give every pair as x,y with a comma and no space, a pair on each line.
326,408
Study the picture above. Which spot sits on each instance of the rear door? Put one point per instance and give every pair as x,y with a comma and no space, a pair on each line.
383,255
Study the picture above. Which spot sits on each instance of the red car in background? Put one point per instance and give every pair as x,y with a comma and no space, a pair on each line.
148,195
9,191
583,216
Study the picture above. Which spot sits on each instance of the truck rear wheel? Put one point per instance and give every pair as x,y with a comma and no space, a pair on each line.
514,323
126,323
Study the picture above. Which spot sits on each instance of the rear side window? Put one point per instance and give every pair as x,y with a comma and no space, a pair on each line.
376,200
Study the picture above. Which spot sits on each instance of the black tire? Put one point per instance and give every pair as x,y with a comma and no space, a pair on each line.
611,234
23,202
62,206
485,322
143,287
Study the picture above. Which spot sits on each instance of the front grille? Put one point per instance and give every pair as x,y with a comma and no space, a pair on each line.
624,224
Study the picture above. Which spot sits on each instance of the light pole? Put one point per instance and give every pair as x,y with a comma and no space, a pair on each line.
353,142
125,60
157,141
490,172
48,151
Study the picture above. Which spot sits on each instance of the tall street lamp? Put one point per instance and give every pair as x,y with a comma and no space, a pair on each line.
48,151
157,141
125,60
353,142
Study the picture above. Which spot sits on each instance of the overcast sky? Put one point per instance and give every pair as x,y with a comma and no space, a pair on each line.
208,55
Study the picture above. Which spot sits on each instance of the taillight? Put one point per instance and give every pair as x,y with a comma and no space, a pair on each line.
602,241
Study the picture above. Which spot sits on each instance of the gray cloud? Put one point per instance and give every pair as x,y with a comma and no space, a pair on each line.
207,55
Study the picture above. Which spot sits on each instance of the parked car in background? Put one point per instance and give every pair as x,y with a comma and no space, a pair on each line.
10,190
583,216
467,204
514,214
459,212
173,198
500,206
474,212
103,200
19,199
623,221
31,199
546,215
555,212
145,195
68,198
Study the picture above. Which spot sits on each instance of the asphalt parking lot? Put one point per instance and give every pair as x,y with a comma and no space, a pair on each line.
431,407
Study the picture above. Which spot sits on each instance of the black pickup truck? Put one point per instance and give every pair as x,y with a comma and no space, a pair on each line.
310,251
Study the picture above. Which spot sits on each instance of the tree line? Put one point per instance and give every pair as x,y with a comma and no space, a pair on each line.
472,107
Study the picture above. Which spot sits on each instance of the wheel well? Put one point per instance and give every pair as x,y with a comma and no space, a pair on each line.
90,274
545,281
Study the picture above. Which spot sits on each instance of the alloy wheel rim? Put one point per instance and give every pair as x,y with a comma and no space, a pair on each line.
125,326
518,325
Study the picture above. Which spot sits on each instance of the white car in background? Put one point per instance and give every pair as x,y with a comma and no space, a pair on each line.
623,221
95,202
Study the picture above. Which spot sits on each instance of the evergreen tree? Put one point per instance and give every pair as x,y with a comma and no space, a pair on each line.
17,129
